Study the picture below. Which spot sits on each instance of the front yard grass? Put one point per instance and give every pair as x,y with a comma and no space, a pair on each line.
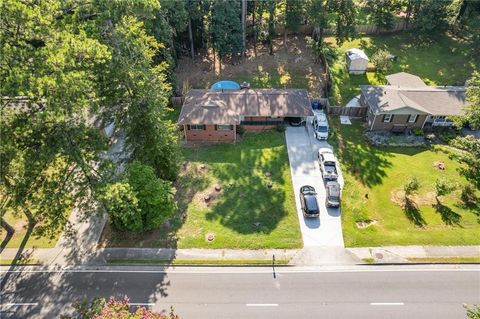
438,60
245,214
19,223
374,178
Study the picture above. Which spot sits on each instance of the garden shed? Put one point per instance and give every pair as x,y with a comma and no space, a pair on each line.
356,60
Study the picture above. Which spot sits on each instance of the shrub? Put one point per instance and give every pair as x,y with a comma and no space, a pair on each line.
240,130
140,201
281,127
417,131
445,134
468,195
443,186
382,60
411,186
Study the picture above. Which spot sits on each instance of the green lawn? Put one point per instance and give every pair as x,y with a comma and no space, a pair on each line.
19,224
439,60
245,214
373,174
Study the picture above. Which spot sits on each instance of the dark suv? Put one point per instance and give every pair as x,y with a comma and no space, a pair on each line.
308,200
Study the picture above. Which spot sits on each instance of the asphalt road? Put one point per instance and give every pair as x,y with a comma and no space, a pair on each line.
252,293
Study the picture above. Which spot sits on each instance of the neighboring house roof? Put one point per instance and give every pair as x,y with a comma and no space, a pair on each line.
405,79
227,107
355,54
448,100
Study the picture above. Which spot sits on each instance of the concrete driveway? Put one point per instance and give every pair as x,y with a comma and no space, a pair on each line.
302,149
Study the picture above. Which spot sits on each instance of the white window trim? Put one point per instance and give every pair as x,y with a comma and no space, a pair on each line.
390,116
412,118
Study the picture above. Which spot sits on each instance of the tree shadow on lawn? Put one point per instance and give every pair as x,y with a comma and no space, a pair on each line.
413,213
448,216
367,163
248,205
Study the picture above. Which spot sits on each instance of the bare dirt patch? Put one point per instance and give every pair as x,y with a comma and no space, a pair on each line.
398,198
440,165
290,67
364,223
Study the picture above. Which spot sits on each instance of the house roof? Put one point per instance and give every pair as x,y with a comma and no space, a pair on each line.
446,100
227,107
355,54
405,79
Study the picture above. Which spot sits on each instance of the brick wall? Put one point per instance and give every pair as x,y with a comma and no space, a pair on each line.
210,134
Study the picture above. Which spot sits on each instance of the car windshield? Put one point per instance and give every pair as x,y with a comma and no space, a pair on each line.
322,128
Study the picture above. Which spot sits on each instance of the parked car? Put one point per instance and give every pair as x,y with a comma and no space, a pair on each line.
308,200
327,163
333,194
320,126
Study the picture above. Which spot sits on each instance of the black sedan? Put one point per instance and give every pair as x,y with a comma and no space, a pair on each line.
308,200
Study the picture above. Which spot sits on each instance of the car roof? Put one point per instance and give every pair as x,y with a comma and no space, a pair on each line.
333,188
329,157
311,202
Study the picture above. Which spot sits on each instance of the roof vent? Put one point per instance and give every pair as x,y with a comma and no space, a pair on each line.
245,85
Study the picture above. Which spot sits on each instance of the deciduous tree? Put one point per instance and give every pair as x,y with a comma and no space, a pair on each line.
139,201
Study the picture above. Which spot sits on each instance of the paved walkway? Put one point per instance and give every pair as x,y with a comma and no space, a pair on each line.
302,146
308,256
400,254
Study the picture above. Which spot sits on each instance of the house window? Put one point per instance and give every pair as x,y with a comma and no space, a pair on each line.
223,127
196,127
387,118
412,118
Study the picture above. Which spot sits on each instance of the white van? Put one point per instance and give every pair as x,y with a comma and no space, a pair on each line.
320,126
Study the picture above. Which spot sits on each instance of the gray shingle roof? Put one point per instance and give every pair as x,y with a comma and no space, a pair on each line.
447,100
405,79
226,107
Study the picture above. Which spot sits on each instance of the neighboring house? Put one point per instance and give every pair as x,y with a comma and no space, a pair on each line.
215,115
356,61
407,102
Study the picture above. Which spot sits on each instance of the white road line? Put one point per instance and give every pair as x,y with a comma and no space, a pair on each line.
387,304
141,304
18,304
262,304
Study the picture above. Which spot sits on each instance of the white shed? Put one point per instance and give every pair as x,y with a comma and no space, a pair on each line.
357,61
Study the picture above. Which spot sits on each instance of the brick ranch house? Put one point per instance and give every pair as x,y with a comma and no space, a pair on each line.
215,115
407,102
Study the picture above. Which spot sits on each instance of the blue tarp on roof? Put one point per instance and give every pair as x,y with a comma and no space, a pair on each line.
225,85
